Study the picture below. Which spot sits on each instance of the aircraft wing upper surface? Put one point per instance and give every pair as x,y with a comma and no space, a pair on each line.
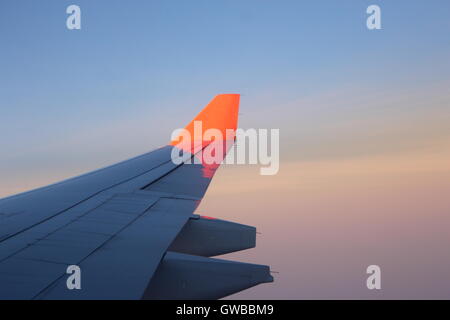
130,227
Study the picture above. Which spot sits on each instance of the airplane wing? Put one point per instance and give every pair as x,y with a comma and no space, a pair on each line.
131,228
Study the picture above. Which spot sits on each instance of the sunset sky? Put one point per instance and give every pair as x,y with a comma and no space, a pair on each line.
364,119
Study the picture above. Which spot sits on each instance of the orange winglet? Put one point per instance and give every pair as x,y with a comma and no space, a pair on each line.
220,114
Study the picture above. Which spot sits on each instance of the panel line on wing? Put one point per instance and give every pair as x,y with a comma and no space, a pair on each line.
6,237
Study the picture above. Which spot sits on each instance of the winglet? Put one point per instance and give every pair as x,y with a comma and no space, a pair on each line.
221,114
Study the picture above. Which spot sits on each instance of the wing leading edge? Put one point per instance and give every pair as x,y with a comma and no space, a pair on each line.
130,227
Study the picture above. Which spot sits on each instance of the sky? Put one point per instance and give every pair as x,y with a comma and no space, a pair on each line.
364,119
